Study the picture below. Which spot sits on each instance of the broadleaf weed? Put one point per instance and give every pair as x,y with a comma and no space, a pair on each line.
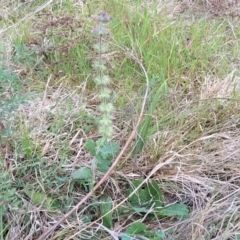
103,150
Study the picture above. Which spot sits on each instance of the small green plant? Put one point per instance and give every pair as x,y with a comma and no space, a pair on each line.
103,150
149,198
138,230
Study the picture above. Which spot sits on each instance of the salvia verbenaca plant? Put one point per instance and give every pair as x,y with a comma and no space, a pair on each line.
101,78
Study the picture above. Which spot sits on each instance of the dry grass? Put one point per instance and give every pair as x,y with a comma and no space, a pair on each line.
214,8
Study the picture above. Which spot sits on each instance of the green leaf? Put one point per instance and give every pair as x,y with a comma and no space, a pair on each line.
178,210
84,176
105,207
41,199
103,164
148,195
61,179
237,236
142,197
156,193
106,154
139,230
160,234
140,209
155,235
126,237
83,173
91,147
136,228
109,149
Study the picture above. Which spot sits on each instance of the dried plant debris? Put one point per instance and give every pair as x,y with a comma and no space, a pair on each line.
217,8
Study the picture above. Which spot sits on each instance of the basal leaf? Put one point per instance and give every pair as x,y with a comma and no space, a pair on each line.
178,210
103,164
105,155
154,235
156,193
148,195
160,234
106,206
41,199
140,209
83,173
136,228
141,197
126,237
91,147
109,149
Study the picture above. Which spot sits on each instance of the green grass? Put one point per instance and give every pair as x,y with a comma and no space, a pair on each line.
49,110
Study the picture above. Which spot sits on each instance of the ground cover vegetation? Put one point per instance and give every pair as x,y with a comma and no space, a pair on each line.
119,119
